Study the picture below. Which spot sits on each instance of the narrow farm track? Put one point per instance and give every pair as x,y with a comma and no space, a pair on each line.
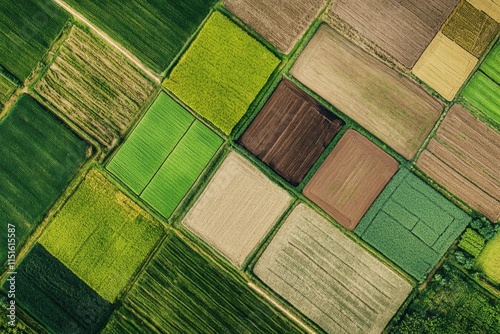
109,40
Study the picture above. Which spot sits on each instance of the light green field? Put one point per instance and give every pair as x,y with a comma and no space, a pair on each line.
484,94
491,65
222,72
489,259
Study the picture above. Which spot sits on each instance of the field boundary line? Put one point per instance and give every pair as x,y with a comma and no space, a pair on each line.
156,78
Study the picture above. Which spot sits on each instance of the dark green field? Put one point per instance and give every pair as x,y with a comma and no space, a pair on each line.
38,157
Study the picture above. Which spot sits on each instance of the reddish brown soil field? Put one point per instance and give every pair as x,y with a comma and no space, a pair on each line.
291,132
402,28
464,157
351,178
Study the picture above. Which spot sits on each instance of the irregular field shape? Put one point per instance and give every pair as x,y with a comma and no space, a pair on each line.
222,72
99,215
470,28
484,94
39,157
7,88
464,157
155,31
350,179
490,7
56,297
27,30
237,209
391,107
412,224
95,86
489,259
280,22
193,294
402,28
290,132
328,277
444,66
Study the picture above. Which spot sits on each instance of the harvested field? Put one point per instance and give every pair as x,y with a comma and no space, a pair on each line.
490,7
470,28
56,297
222,72
464,157
391,107
328,277
101,235
95,86
444,66
39,157
350,179
237,209
280,22
290,132
484,94
7,88
412,224
489,259
402,28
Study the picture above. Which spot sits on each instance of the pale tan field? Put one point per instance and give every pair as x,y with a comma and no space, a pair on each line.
328,277
237,209
490,7
444,66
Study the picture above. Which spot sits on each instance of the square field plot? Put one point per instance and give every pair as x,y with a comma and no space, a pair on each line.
393,108
351,178
222,72
101,235
280,22
412,224
464,157
38,158
56,297
328,277
290,132
237,209
445,66
402,28
164,155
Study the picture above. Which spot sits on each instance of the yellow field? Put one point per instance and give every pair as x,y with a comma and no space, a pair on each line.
490,7
489,259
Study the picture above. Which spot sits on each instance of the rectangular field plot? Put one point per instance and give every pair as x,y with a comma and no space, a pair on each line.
27,31
182,291
101,235
350,178
290,132
7,88
412,224
38,158
464,157
95,86
237,209
164,155
489,259
402,28
328,277
56,297
222,72
391,107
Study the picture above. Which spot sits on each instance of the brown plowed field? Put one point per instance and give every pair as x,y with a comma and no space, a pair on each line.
464,157
402,28
391,107
291,132
351,178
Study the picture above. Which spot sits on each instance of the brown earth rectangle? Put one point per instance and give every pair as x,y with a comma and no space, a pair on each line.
290,132
351,178
402,28
393,108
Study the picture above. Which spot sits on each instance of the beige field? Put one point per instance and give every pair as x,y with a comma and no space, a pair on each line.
328,277
444,66
237,209
391,107
490,7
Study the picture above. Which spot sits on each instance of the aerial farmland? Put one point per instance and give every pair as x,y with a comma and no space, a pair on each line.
238,166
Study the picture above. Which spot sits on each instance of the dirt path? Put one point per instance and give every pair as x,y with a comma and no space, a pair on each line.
108,39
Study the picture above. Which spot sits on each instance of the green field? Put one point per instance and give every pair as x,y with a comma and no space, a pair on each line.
101,235
412,224
38,158
222,72
155,30
181,291
489,259
27,30
491,65
471,242
7,87
164,155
